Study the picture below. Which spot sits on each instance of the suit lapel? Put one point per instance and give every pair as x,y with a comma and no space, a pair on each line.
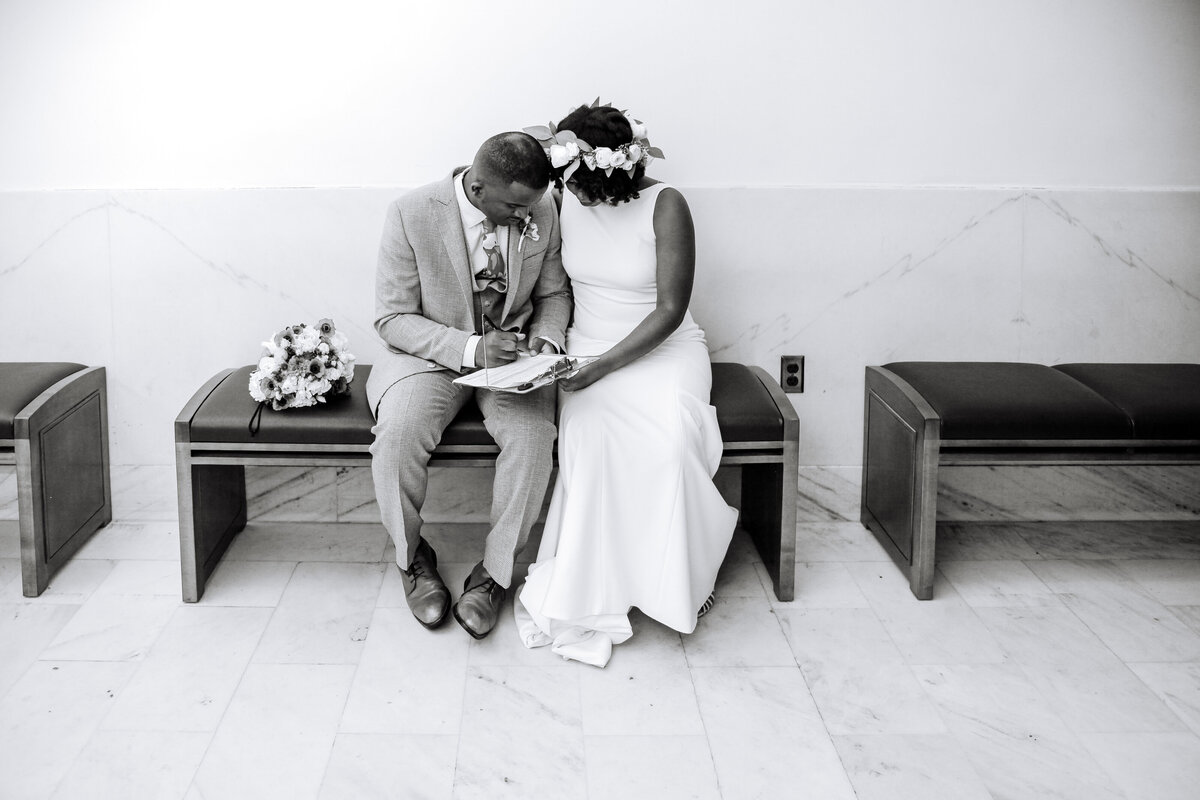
453,237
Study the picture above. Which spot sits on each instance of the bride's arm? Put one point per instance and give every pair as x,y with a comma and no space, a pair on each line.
675,249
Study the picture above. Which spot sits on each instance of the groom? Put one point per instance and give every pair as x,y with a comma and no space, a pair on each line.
469,272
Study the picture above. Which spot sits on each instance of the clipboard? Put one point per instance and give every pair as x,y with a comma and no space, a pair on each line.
527,373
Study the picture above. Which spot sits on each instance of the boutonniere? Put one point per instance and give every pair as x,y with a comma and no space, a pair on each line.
528,229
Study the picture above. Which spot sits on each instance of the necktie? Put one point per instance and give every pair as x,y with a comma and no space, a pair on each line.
494,275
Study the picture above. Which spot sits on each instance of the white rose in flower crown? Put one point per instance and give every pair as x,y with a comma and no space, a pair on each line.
635,152
603,157
559,157
572,150
639,128
619,159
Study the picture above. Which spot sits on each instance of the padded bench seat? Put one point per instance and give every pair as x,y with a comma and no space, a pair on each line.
214,444
54,429
920,415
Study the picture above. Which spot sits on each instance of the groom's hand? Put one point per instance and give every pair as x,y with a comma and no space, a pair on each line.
497,347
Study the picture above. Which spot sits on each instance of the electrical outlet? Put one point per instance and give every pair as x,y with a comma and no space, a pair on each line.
791,373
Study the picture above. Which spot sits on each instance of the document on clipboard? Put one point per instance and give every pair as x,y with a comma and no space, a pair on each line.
527,373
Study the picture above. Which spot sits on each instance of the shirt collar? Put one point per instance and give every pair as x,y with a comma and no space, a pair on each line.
471,215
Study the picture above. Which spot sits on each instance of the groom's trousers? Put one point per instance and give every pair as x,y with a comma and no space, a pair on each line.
410,420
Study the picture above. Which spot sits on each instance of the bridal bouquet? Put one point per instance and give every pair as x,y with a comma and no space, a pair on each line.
301,365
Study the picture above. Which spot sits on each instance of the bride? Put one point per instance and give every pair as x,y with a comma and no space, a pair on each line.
634,520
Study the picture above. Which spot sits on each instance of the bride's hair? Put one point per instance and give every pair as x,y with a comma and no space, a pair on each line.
602,126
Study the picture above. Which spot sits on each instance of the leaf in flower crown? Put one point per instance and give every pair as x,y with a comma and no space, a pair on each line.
595,102
654,151
553,128
540,132
584,146
570,170
566,136
608,172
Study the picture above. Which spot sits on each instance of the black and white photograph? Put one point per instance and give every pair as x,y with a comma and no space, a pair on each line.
654,401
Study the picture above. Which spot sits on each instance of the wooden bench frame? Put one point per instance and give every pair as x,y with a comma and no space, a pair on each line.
212,486
57,440
903,450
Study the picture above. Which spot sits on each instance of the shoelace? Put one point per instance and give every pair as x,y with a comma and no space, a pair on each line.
487,585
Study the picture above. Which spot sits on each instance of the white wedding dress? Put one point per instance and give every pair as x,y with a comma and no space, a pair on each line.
634,520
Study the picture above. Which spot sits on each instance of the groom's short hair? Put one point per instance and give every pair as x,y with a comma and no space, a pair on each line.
515,157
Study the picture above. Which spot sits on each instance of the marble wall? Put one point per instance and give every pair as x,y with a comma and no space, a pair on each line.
165,288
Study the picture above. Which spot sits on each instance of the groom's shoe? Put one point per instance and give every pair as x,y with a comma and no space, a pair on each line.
479,606
426,593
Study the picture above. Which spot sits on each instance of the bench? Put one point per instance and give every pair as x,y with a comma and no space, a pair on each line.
213,446
922,415
54,429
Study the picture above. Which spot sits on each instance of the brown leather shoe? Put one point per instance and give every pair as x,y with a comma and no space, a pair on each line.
478,609
426,593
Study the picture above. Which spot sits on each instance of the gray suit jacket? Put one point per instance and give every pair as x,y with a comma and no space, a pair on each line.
424,286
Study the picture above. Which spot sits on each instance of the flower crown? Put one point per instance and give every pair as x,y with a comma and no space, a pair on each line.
566,150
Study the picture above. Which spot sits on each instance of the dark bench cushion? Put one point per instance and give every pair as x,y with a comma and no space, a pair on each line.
1161,400
20,384
745,411
1001,400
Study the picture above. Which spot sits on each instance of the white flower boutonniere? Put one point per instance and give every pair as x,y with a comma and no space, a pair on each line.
528,229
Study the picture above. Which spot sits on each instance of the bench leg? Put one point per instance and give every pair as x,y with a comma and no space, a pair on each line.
899,481
769,516
64,494
212,510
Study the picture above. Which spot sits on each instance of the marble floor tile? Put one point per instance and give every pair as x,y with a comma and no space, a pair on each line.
837,541
739,632
1102,697
909,768
988,584
1189,615
113,628
116,765
291,494
49,716
307,541
25,630
1179,687
73,583
10,580
409,680
248,583
818,585
738,576
767,736
10,538
857,676
385,766
1044,635
277,734
190,675
152,540
650,766
158,578
1133,624
1113,540
640,700
828,494
1039,767
995,701
1155,766
324,615
944,630
1170,582
652,645
521,734
8,493
145,493
356,496
982,541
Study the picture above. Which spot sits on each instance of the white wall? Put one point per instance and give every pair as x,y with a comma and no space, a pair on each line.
239,93
973,180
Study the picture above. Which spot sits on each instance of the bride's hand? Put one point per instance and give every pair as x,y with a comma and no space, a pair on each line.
584,377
